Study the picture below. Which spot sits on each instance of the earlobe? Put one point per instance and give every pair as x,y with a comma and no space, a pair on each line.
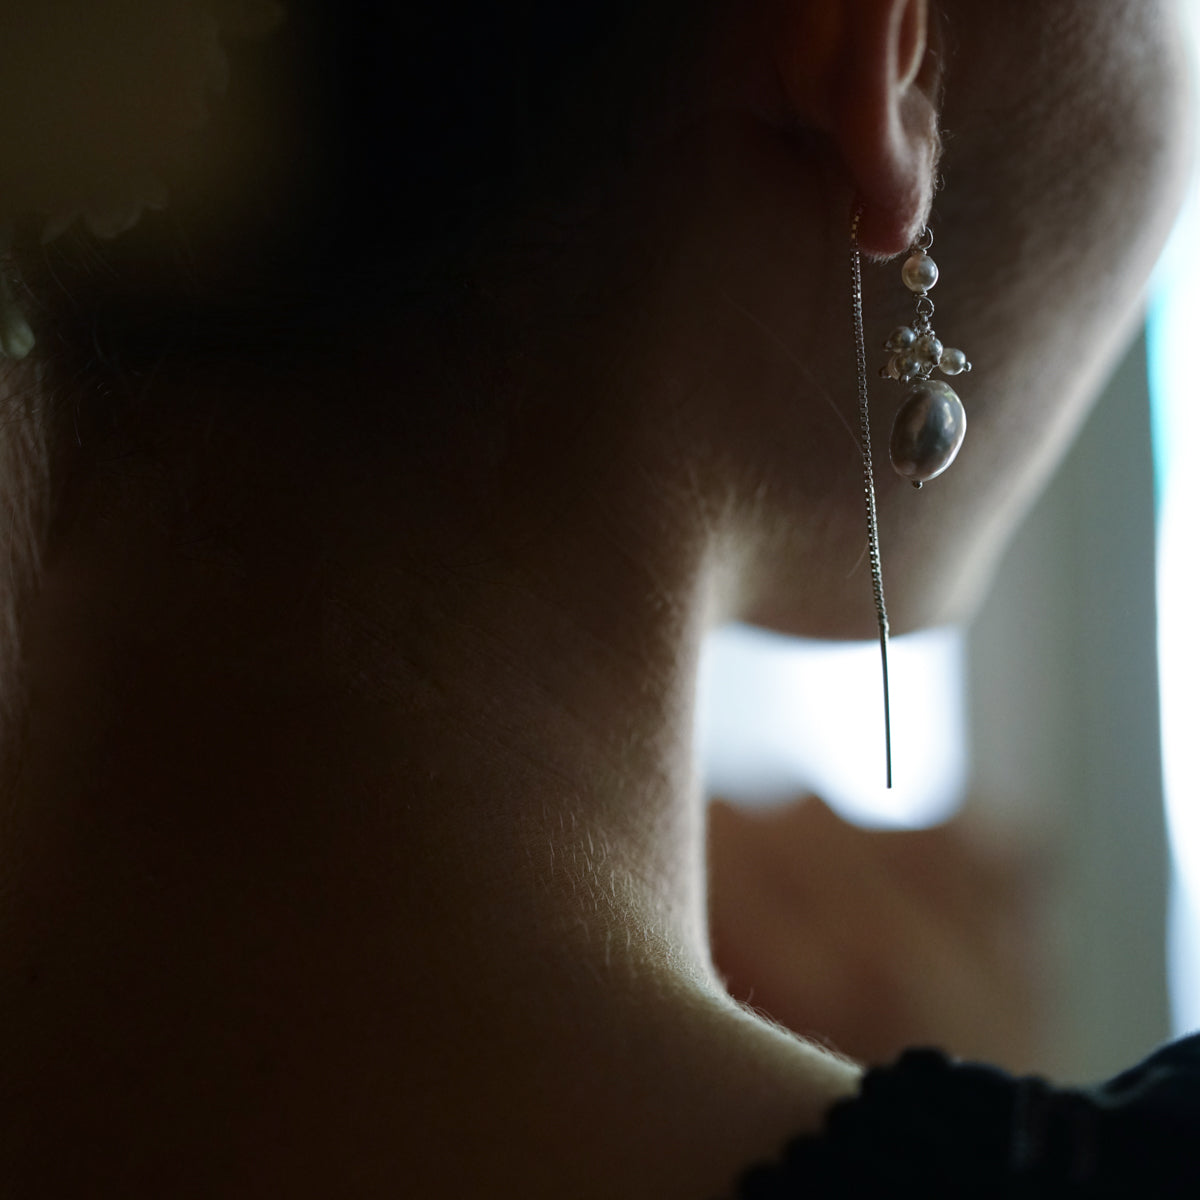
875,94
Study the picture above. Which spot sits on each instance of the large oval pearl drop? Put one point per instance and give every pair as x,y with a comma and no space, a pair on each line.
928,430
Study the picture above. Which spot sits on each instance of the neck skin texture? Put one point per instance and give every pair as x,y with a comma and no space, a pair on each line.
356,848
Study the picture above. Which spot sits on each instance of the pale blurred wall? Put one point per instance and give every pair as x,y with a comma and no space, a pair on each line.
1063,714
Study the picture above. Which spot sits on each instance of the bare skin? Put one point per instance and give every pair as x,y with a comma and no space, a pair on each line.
876,940
355,848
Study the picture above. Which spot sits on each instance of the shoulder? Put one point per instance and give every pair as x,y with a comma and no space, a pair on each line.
930,1126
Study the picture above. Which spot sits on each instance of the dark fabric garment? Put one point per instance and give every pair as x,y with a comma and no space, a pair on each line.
927,1126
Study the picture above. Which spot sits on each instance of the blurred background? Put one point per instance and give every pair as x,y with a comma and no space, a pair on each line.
1029,891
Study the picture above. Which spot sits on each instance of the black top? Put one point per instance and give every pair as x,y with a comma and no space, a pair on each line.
934,1128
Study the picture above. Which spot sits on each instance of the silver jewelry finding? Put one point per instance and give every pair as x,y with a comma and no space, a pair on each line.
931,422
869,479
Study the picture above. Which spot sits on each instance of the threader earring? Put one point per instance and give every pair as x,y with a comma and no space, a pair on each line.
864,424
930,425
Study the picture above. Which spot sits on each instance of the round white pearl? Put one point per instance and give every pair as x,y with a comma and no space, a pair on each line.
905,365
928,431
919,272
953,362
900,338
928,349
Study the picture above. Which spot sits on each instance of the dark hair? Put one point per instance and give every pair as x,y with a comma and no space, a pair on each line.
426,124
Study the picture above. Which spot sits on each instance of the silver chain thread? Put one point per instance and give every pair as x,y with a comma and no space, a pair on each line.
864,419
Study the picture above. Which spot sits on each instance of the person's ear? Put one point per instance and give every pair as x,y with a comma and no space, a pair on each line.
862,72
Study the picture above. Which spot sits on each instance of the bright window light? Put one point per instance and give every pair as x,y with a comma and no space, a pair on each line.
1174,320
780,717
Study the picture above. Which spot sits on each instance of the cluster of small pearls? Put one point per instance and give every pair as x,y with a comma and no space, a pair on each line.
930,425
915,349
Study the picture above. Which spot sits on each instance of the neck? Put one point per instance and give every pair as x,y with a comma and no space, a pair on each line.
312,805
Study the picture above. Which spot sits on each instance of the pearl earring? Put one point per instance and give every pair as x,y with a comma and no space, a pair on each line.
931,423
